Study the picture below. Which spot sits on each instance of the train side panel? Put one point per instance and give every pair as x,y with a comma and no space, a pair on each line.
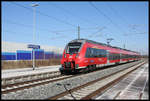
91,55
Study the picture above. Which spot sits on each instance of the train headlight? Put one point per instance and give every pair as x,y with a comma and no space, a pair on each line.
64,55
77,55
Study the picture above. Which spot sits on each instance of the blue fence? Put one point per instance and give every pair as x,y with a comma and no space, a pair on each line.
49,55
39,54
8,56
23,55
27,55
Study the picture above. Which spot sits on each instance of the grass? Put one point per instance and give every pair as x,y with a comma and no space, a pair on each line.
28,63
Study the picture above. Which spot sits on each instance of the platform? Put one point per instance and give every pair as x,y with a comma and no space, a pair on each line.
134,86
28,71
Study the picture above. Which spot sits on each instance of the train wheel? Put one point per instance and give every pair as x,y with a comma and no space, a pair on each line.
89,68
94,67
85,70
61,70
75,71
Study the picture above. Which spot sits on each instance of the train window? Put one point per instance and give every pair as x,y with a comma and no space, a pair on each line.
73,47
121,56
103,53
110,56
125,56
99,53
114,56
88,53
92,52
118,56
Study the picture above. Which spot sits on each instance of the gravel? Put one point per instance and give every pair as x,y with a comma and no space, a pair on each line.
52,89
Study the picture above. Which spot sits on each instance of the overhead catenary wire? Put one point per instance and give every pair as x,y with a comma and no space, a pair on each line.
46,15
12,32
74,15
133,26
83,28
53,31
29,26
99,30
138,33
29,9
125,21
101,13
43,14
116,13
53,38
98,10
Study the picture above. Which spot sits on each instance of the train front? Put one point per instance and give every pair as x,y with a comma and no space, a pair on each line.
71,56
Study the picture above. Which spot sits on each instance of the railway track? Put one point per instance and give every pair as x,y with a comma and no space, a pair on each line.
24,78
29,84
37,82
53,77
93,88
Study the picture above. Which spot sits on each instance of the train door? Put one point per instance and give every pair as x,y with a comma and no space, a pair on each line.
107,56
120,58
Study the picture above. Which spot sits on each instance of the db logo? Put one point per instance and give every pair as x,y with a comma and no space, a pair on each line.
70,56
92,61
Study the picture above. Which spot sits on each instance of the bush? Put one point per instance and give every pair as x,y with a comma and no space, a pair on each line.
28,63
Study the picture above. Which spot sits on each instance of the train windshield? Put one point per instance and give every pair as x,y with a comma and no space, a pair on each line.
73,47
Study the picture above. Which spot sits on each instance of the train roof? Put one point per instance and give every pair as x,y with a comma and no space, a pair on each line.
103,44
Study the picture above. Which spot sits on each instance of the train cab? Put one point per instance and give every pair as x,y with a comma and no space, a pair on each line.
71,56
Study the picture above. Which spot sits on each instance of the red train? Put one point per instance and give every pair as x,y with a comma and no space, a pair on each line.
83,54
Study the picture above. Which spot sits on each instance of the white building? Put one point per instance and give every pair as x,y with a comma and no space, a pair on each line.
13,47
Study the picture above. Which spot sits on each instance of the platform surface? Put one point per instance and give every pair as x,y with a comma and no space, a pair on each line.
134,86
28,71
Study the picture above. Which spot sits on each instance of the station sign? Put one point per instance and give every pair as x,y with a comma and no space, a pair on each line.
34,46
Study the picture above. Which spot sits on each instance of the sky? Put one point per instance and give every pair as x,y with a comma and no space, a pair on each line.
56,23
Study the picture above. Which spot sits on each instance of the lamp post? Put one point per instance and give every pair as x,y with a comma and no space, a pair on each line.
78,32
33,57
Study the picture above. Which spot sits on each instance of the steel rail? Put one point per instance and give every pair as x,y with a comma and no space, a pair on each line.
41,83
4,80
27,82
33,85
100,90
84,85
36,80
